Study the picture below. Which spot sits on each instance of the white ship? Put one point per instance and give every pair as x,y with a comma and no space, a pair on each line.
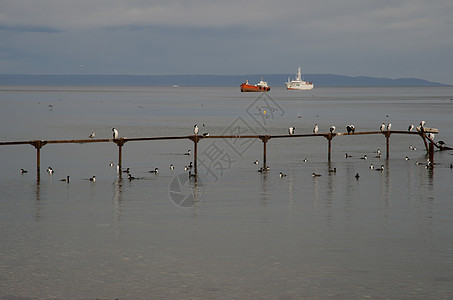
298,83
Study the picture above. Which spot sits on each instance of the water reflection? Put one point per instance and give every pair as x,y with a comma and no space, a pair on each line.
38,199
291,191
264,188
197,191
385,185
117,197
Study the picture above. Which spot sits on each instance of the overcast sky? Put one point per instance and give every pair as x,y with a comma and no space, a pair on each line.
380,38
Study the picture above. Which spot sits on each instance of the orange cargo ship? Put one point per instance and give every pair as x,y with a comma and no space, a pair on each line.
259,87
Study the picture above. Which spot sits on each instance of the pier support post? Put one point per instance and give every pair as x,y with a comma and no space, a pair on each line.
329,138
264,138
120,142
423,136
195,154
38,145
387,147
431,153
195,139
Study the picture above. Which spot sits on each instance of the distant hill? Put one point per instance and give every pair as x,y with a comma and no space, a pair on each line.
319,80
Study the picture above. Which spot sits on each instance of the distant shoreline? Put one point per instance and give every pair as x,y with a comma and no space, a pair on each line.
319,80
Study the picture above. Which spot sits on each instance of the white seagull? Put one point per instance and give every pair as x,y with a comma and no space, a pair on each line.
410,128
389,126
332,129
315,129
92,135
115,133
195,129
291,130
382,128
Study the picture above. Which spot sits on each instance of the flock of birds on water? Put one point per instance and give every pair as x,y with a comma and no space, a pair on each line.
291,131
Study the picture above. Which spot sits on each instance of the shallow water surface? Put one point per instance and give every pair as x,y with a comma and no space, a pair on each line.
233,233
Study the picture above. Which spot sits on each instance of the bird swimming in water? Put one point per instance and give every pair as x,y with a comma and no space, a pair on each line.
66,179
126,171
115,133
261,170
378,151
92,135
130,177
111,164
22,171
357,176
364,157
155,171
406,158
371,167
315,129
315,175
347,155
382,128
305,160
50,170
282,175
93,179
192,175
291,130
256,162
187,153
381,168
172,167
195,129
334,170
190,165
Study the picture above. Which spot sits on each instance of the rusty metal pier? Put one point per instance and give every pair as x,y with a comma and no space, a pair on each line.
38,144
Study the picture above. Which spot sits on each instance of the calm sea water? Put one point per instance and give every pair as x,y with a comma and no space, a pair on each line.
234,233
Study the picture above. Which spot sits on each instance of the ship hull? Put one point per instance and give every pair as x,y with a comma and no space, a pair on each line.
254,88
299,86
